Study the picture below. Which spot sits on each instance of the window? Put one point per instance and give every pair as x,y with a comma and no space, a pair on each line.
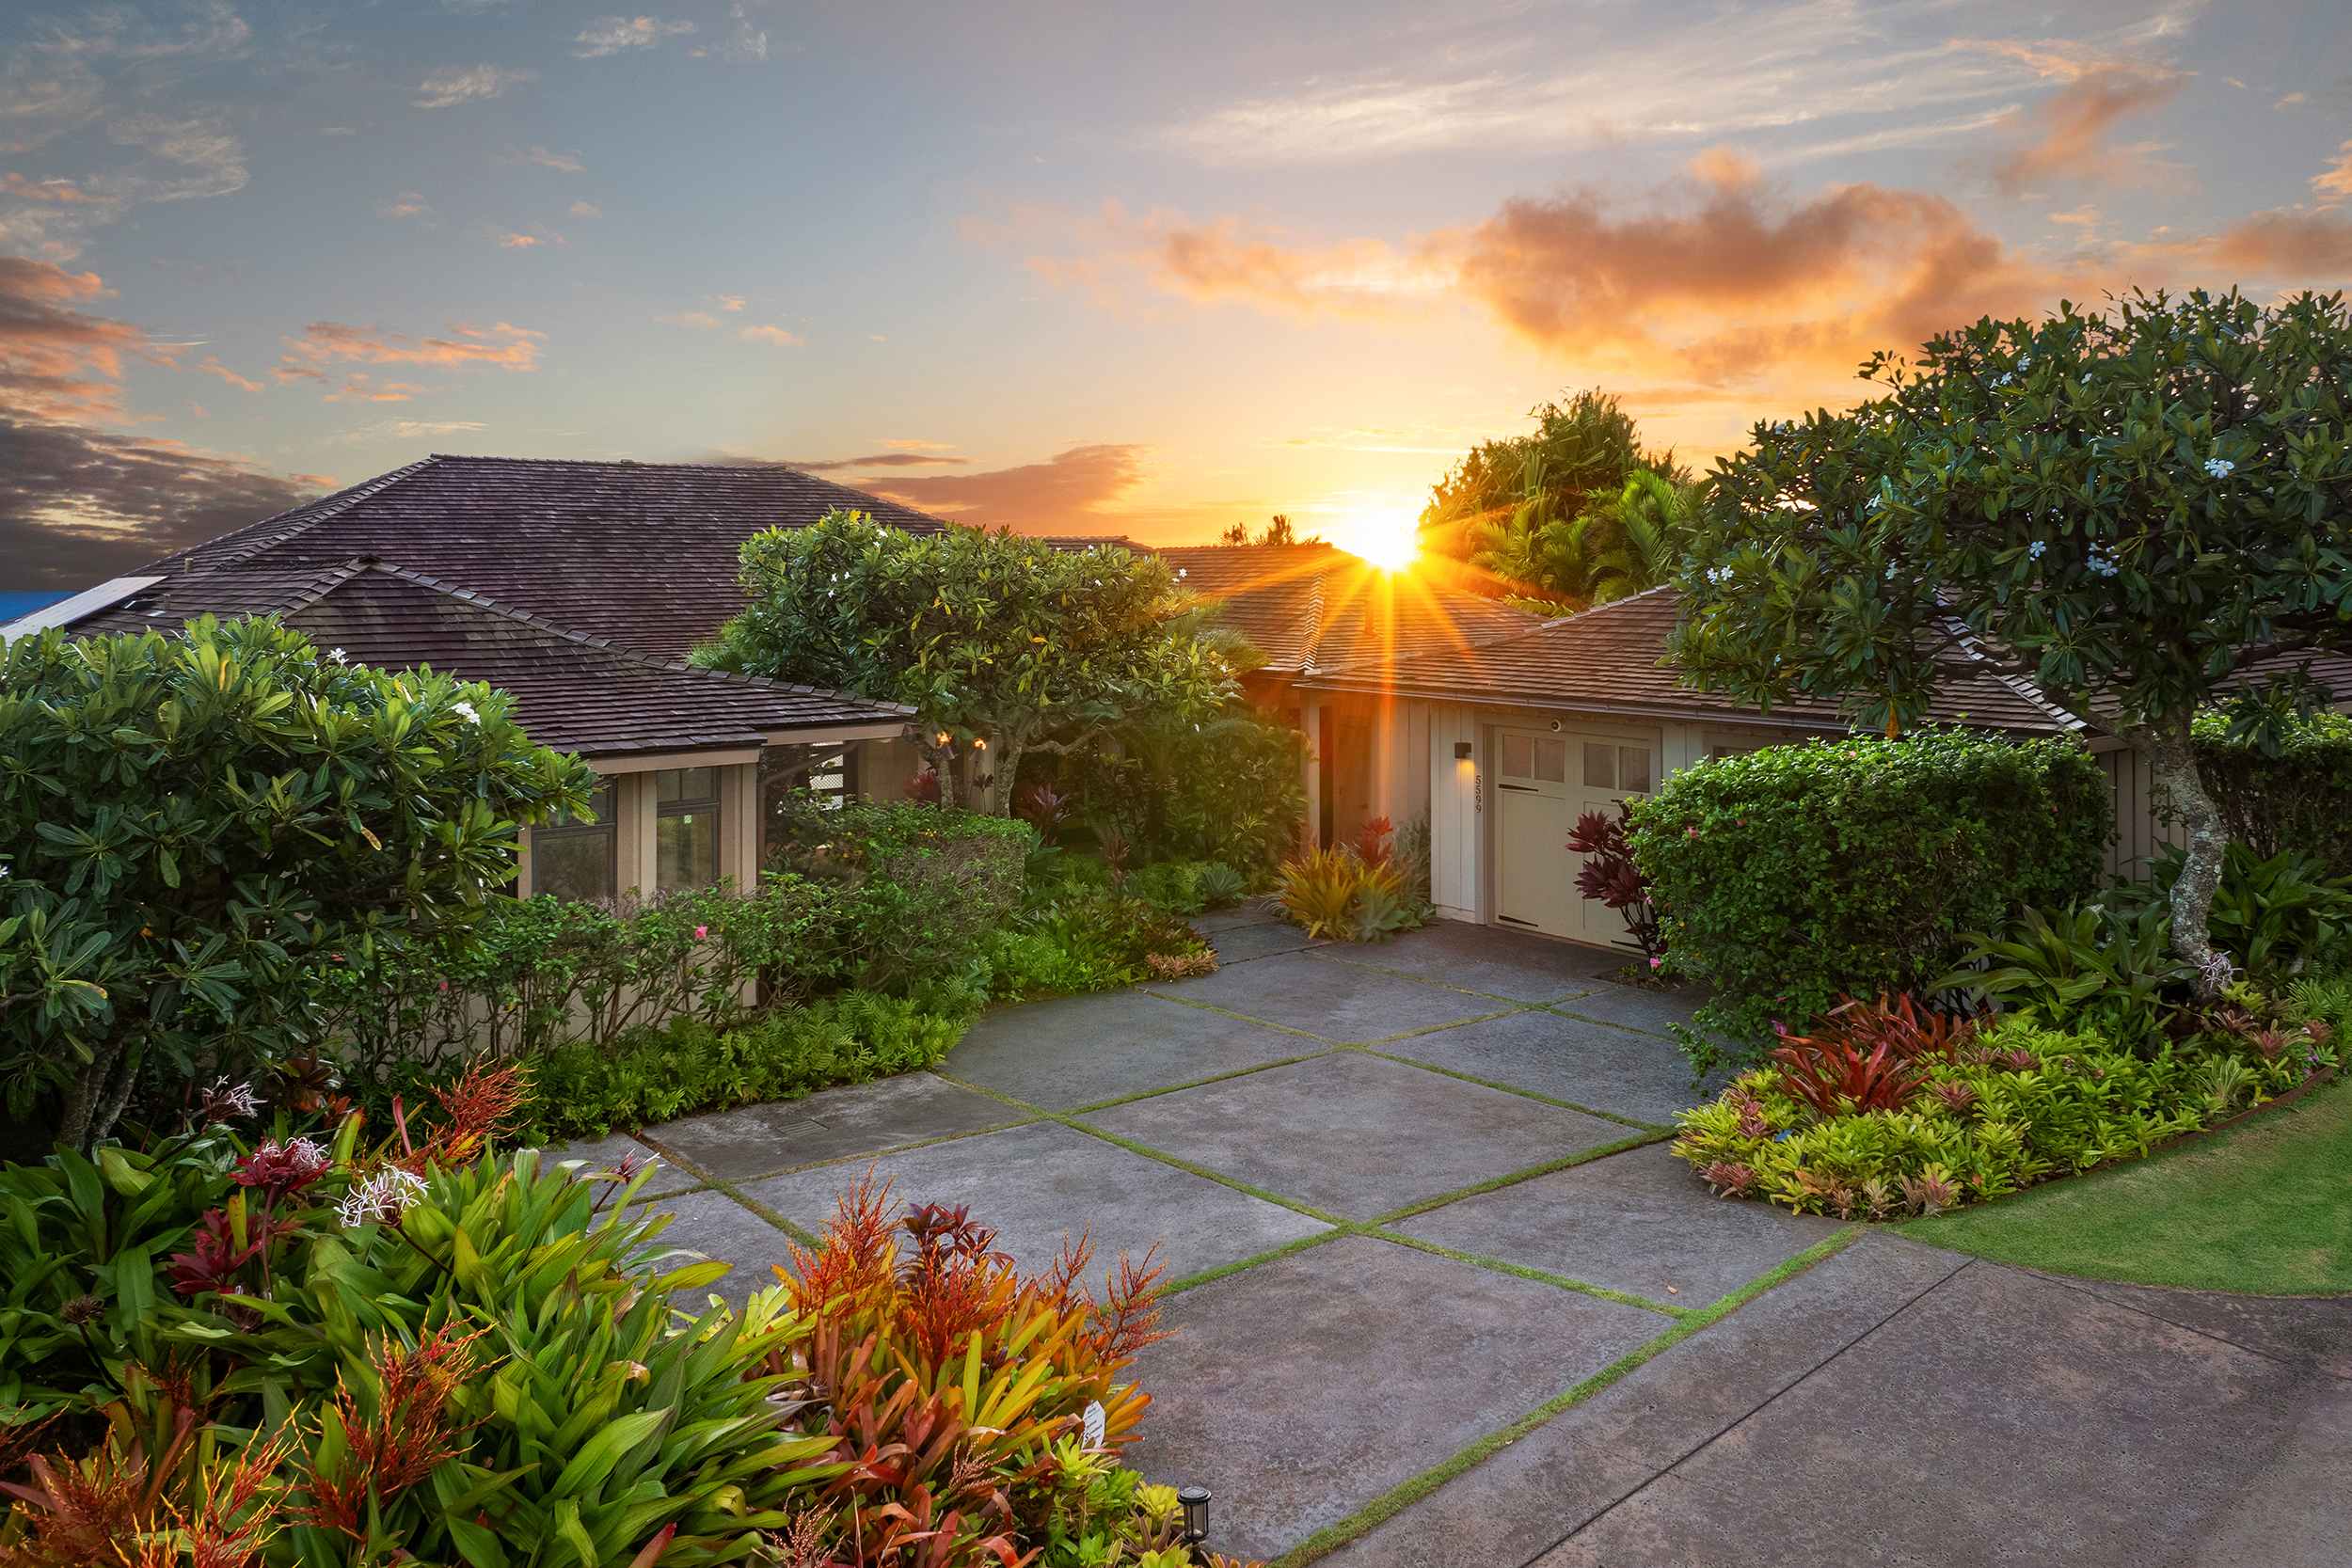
1519,757
573,858
1633,770
1551,760
685,828
1600,765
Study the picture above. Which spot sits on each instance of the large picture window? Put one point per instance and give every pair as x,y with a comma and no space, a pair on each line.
685,828
573,858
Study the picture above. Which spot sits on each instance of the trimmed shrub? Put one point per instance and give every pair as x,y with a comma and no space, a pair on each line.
2299,799
1790,877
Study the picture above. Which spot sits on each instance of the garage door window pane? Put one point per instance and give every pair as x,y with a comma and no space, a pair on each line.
1633,770
1600,765
1518,757
572,857
1551,761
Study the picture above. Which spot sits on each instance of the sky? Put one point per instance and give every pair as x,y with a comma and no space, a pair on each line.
1103,268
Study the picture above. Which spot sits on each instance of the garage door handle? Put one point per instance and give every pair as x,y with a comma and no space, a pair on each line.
1524,789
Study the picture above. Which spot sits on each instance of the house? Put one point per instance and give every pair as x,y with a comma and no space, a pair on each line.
1311,609
579,587
1503,744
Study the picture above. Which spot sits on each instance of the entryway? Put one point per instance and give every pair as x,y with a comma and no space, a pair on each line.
1547,779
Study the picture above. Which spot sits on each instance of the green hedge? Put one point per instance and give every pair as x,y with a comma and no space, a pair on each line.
2301,799
1789,876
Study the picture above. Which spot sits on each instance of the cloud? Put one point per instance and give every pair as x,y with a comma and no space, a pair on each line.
2279,246
471,348
1714,276
565,163
689,318
214,156
79,504
58,361
582,209
2068,130
881,459
25,189
362,388
452,85
775,335
615,32
407,430
214,366
407,204
507,240
749,45
2337,180
727,302
1065,493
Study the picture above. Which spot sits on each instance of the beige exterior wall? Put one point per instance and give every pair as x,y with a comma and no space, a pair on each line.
634,826
2139,827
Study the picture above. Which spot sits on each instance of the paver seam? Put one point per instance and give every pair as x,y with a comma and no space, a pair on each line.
1509,1088
1377,1039
1334,956
1622,1298
1205,1276
1604,1022
707,1179
1395,1500
1766,1402
1213,1078
2077,1283
1512,1179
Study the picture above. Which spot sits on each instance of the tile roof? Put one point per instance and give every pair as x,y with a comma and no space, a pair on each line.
574,692
1606,661
1311,607
643,554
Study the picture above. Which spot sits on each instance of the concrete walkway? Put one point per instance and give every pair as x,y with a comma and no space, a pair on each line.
1442,1297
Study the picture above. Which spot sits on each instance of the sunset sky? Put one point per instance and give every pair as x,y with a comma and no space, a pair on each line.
1108,268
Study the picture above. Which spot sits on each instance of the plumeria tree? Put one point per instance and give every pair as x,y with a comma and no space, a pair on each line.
995,640
195,829
2140,512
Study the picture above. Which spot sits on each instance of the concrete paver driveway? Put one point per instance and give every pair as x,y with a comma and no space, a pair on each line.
1443,1298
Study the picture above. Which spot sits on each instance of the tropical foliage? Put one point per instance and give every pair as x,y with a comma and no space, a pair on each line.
2124,508
199,832
995,641
1788,877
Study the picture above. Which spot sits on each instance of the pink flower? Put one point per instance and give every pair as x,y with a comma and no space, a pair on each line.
445,984
1655,964
701,932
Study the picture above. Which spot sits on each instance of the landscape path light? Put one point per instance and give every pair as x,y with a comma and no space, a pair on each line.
1195,1503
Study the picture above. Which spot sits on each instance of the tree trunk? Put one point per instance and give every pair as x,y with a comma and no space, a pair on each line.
97,1096
1010,747
2173,766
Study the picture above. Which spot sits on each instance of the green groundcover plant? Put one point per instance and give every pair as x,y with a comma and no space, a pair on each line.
310,1351
1788,877
1886,1111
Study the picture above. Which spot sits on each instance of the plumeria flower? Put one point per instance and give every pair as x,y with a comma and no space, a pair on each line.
2218,466
335,654
465,711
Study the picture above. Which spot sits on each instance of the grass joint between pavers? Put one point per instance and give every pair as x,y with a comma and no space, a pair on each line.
1395,1501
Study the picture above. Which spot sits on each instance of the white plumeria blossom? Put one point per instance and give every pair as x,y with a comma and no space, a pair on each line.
335,654
2218,466
465,711
379,1198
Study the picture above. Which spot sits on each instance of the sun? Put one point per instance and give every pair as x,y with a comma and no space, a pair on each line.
1390,543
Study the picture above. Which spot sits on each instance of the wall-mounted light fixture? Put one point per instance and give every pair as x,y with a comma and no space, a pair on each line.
1196,1504
1461,750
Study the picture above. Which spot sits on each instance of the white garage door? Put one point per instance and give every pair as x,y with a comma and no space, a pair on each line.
1545,782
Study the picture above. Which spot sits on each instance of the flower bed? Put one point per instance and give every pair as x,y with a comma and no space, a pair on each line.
312,1350
1887,1110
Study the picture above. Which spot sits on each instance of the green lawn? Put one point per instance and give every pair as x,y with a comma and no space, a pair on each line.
2265,1207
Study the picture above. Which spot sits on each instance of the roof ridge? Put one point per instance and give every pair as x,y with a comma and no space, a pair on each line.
632,656
320,510
1315,625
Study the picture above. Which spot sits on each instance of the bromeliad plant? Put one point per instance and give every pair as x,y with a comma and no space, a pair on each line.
1337,894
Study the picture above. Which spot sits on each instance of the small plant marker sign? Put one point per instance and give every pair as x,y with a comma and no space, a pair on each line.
1094,1424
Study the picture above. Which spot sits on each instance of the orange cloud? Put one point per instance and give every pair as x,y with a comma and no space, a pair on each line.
473,348
2301,247
46,190
1230,258
362,388
879,460
52,355
214,366
408,204
2069,131
689,318
775,335
1065,493
2337,180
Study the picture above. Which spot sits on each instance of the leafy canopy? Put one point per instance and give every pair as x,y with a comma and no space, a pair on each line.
987,636
194,829
2124,506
